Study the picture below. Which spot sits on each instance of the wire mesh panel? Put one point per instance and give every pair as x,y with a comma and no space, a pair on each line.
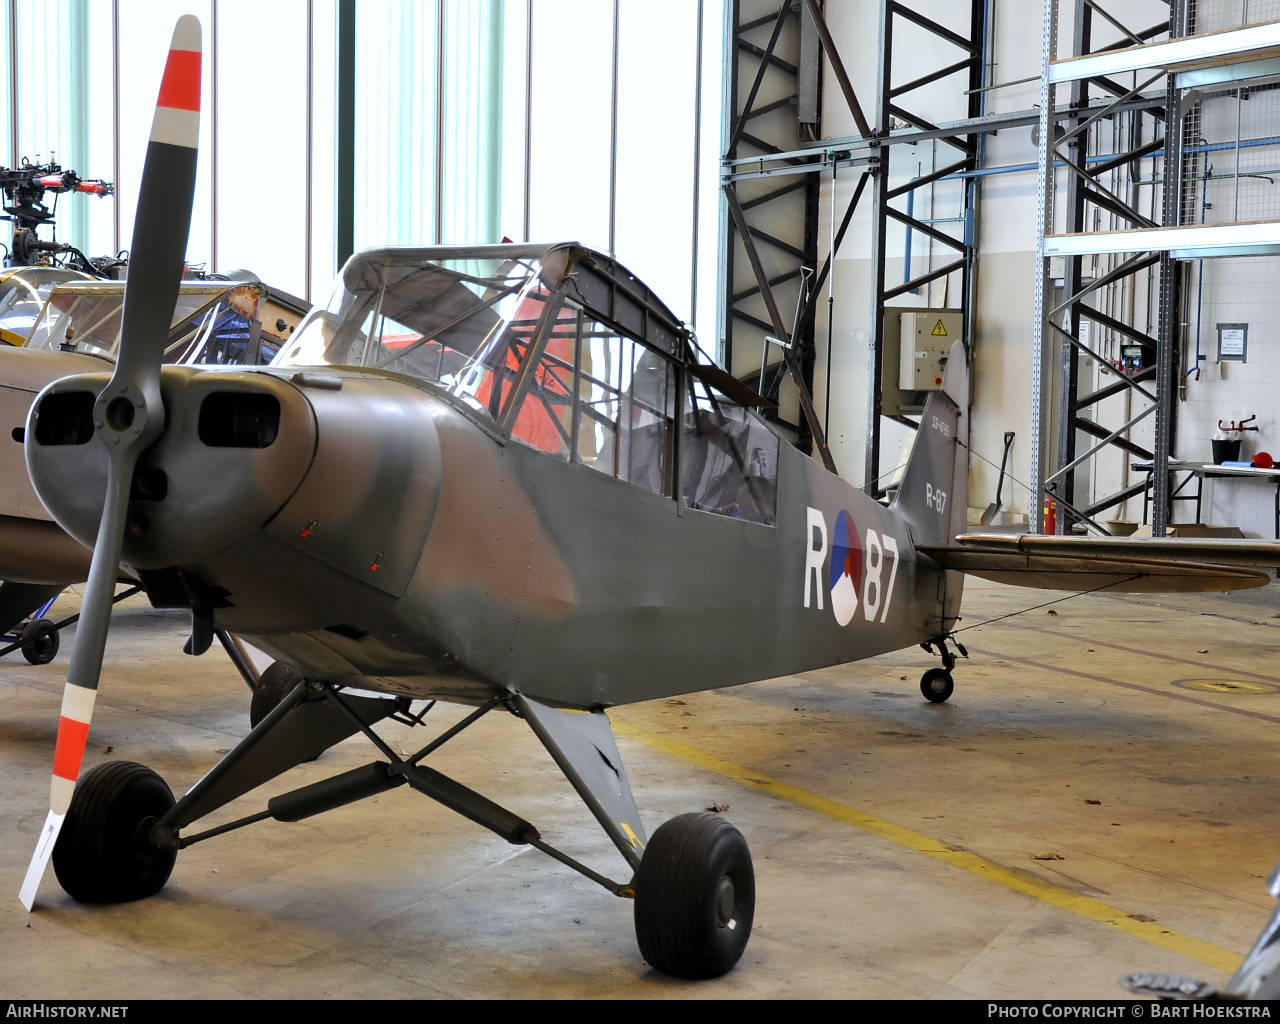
1217,15
1232,148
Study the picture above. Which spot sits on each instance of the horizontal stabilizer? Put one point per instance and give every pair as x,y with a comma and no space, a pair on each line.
1121,565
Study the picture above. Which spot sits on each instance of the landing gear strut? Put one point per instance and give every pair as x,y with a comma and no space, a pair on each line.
693,883
937,685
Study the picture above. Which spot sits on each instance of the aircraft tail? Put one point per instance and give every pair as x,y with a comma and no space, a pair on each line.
934,493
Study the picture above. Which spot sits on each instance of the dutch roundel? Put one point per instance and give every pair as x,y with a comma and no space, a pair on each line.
846,568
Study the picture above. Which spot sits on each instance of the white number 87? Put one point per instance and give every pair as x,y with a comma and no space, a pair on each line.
873,588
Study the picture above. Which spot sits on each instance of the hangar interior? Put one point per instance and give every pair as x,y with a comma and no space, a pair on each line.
827,194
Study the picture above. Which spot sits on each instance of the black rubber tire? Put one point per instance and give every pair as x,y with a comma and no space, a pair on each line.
47,641
937,685
688,924
274,685
102,855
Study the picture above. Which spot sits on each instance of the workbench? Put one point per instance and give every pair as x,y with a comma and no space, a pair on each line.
1199,472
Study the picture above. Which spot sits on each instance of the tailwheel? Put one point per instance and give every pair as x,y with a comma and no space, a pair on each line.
937,685
103,854
42,642
695,897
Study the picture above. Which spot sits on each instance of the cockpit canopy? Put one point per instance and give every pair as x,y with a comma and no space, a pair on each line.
562,349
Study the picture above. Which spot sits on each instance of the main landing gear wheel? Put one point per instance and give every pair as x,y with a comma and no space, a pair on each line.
43,644
274,685
937,685
695,897
102,854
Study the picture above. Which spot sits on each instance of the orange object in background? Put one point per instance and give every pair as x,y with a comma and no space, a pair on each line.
1050,516
1263,460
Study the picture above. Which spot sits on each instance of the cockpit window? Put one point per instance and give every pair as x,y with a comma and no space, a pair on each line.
22,295
213,322
599,391
729,458
420,317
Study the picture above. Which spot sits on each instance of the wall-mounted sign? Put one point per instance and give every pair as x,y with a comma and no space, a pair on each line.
1233,341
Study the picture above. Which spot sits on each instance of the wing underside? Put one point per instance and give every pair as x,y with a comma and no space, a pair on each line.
1149,566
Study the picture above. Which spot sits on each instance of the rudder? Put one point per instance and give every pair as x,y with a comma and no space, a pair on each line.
934,493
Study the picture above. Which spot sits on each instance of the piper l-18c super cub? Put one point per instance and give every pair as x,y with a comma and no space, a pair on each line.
497,476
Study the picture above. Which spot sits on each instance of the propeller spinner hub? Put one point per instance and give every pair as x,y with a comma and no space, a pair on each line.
234,448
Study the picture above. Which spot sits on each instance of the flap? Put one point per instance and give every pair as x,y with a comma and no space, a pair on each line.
1079,563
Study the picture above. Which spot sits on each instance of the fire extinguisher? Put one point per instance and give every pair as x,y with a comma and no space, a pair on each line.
1050,516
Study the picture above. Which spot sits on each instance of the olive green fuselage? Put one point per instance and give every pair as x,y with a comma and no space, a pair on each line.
387,538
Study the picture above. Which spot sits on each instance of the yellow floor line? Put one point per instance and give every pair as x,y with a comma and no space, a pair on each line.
1011,878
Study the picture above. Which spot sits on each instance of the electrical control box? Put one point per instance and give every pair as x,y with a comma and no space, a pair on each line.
926,340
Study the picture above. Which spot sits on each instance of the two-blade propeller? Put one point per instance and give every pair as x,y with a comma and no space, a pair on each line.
128,415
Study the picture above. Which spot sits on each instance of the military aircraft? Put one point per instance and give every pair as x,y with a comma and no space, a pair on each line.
499,476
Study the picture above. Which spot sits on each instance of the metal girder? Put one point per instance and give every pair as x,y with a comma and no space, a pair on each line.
779,20
776,228
1126,158
1097,430
1139,261
1103,320
923,279
926,229
932,76
1096,8
746,293
818,157
1112,500
779,326
1071,339
927,179
1056,465
964,135
1123,383
837,67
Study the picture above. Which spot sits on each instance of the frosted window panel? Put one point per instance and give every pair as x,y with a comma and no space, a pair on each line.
145,32
657,82
99,213
472,129
57,69
710,202
514,49
262,136
6,156
324,167
395,131
572,102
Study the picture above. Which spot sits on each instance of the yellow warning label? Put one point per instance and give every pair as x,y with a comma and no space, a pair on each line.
938,330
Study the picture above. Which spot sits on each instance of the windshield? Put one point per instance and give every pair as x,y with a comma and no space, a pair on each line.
213,322
459,323
22,295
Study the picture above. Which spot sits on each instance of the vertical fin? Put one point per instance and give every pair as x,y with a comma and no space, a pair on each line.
934,494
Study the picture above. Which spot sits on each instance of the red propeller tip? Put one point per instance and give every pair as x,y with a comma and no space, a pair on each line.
180,87
73,736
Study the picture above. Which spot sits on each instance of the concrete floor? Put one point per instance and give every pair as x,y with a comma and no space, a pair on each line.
1133,741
